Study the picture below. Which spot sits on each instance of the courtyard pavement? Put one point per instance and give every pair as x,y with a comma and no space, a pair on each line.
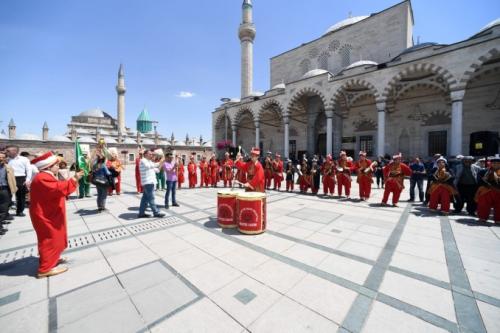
324,265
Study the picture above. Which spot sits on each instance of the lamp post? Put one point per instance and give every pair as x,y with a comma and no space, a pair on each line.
225,100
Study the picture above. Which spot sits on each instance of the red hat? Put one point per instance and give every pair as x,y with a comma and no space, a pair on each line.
363,153
255,151
45,161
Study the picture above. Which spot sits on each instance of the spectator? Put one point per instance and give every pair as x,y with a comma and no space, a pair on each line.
7,188
170,169
418,173
23,173
148,171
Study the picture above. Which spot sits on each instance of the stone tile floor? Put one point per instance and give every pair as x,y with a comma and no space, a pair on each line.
323,265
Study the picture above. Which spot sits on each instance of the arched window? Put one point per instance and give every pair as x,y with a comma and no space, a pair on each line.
305,66
323,60
345,53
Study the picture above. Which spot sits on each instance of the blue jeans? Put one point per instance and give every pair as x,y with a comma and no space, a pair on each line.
148,198
102,194
170,187
420,185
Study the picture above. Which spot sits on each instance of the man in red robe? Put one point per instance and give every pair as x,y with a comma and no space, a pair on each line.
204,172
227,170
241,175
488,194
138,184
192,172
394,174
344,167
441,190
277,171
364,170
48,213
268,170
328,172
180,172
255,173
214,171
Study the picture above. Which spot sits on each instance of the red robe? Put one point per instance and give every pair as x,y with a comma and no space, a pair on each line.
255,173
344,177
48,216
204,174
138,175
227,172
180,174
394,176
268,172
192,174
364,179
214,172
328,172
278,173
241,174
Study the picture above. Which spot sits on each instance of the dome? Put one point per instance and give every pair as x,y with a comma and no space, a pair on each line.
418,47
82,130
129,141
490,25
234,100
60,138
180,143
208,144
164,143
93,113
279,86
148,142
362,63
86,139
256,94
345,23
108,139
29,136
314,72
144,115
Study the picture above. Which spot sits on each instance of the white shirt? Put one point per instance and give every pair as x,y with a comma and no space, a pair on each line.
148,170
21,166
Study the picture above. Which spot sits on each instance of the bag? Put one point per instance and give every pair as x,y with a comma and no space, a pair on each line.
100,180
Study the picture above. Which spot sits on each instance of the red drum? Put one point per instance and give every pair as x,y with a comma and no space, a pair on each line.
251,212
226,209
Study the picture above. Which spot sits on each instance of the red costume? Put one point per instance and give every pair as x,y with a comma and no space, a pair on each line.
117,165
204,173
138,184
441,189
328,172
268,172
255,173
241,175
277,172
304,178
192,177
364,171
180,174
227,172
214,172
394,174
488,194
48,215
344,175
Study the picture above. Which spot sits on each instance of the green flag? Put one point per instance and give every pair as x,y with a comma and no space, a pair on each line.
81,162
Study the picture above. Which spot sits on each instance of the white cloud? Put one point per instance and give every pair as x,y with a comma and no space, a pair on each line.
185,94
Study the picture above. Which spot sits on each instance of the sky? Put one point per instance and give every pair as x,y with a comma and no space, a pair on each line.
59,58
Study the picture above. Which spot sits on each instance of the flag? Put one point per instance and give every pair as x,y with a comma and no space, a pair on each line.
81,162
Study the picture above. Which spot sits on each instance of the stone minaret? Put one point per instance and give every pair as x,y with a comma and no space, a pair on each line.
12,130
120,90
45,132
246,34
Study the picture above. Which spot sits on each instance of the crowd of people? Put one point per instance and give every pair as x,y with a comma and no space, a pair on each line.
46,183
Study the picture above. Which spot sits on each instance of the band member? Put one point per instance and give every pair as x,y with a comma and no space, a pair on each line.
344,167
394,174
227,170
488,194
241,175
466,184
138,184
268,169
180,171
255,173
304,176
315,175
277,171
328,172
441,190
115,166
214,171
290,175
192,176
364,169
204,172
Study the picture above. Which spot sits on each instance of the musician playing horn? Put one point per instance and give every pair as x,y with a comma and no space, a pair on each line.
488,194
227,170
277,171
394,174
364,169
441,190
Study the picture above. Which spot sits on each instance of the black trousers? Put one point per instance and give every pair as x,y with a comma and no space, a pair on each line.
5,197
20,194
467,194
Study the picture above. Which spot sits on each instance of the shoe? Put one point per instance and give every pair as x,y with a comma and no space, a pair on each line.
54,271
166,207
20,214
175,205
140,216
6,222
410,200
88,196
383,204
3,231
62,260
9,218
159,215
395,205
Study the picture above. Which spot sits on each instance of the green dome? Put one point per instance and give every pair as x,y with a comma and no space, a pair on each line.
144,122
144,116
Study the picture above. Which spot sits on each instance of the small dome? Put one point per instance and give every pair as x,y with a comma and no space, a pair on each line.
256,93
180,143
29,136
59,138
144,115
164,143
279,86
129,141
490,25
208,144
92,113
148,142
82,130
418,47
314,72
362,63
345,23
108,139
86,139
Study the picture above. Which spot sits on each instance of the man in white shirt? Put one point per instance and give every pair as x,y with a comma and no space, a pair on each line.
148,170
23,173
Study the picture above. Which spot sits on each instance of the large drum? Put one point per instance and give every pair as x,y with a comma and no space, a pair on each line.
226,209
251,208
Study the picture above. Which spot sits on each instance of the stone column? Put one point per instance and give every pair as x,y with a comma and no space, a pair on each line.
257,133
286,125
457,98
234,128
381,129
337,134
45,132
329,131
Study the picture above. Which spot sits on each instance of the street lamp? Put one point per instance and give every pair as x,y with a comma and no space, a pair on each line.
225,100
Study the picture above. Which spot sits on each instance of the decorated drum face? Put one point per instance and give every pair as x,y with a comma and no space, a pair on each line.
226,209
251,216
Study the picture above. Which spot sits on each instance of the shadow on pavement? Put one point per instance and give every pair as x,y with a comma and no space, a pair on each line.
211,223
474,222
128,216
26,266
86,212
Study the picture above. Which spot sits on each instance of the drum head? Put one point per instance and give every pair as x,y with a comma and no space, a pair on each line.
227,193
251,195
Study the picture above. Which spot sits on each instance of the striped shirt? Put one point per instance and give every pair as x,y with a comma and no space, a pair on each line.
148,170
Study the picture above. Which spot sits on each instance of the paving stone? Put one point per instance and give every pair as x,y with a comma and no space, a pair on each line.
277,275
490,315
422,266
19,296
145,276
306,254
346,268
32,318
367,251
